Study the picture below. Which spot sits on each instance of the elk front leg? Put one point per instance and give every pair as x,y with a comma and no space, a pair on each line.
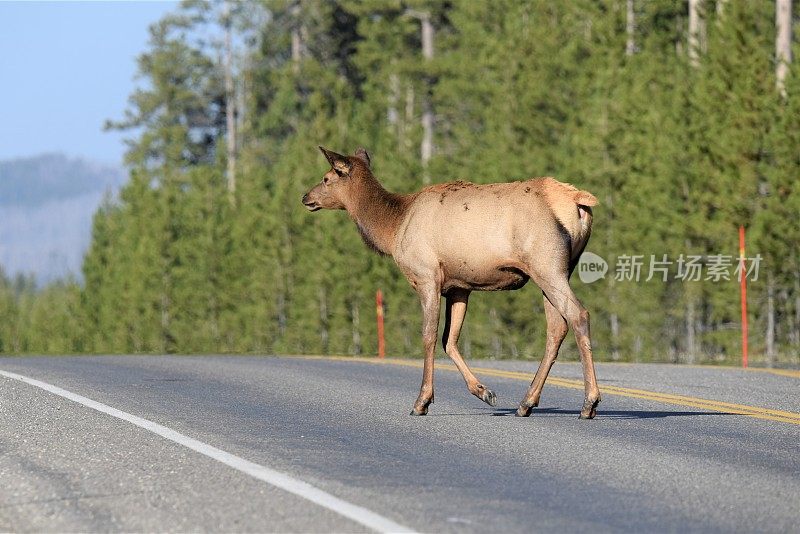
556,332
455,310
429,298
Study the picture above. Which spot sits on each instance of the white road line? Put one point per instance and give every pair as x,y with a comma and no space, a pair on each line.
280,480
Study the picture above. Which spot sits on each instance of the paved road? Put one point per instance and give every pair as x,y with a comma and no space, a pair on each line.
659,457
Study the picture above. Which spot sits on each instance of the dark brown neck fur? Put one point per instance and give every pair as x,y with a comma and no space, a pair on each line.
376,212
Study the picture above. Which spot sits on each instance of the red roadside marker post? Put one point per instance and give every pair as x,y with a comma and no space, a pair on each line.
379,310
743,290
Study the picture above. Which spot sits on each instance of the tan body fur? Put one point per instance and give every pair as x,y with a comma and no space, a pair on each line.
452,239
486,237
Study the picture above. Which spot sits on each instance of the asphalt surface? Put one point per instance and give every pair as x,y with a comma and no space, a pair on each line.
343,426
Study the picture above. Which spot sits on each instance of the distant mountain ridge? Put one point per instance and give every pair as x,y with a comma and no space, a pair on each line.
46,208
36,180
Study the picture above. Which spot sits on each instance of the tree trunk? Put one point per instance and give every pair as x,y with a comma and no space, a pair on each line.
240,90
497,344
614,336
796,322
323,319
630,29
407,344
281,305
213,295
230,103
427,36
297,40
770,337
405,138
394,97
426,147
164,338
691,343
785,302
697,31
783,42
356,323
512,347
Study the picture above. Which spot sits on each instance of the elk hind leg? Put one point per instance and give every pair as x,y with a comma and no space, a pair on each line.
455,310
556,332
564,300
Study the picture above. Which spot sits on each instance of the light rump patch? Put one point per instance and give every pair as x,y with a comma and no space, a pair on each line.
454,238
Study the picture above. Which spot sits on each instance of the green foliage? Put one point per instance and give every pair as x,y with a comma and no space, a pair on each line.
48,321
679,155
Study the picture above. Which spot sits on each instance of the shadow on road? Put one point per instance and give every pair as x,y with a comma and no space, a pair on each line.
610,414
615,414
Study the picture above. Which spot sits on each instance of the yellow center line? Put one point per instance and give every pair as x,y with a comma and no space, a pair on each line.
792,373
782,372
667,398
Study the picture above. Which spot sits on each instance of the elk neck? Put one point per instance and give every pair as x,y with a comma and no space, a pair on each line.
377,213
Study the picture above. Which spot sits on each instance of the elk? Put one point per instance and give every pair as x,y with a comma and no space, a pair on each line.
454,238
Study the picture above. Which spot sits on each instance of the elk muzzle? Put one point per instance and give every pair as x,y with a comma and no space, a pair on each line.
311,205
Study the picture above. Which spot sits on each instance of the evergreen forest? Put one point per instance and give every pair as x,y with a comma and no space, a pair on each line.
681,116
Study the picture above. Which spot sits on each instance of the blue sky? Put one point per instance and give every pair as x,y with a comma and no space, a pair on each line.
65,68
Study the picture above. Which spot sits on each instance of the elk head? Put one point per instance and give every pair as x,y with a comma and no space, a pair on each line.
337,185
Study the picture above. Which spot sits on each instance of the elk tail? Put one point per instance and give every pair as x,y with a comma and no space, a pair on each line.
584,198
585,201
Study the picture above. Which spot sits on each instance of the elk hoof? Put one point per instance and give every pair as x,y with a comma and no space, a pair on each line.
421,406
524,409
486,395
489,397
589,409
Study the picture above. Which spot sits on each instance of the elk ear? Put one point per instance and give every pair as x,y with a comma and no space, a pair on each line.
337,161
361,153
